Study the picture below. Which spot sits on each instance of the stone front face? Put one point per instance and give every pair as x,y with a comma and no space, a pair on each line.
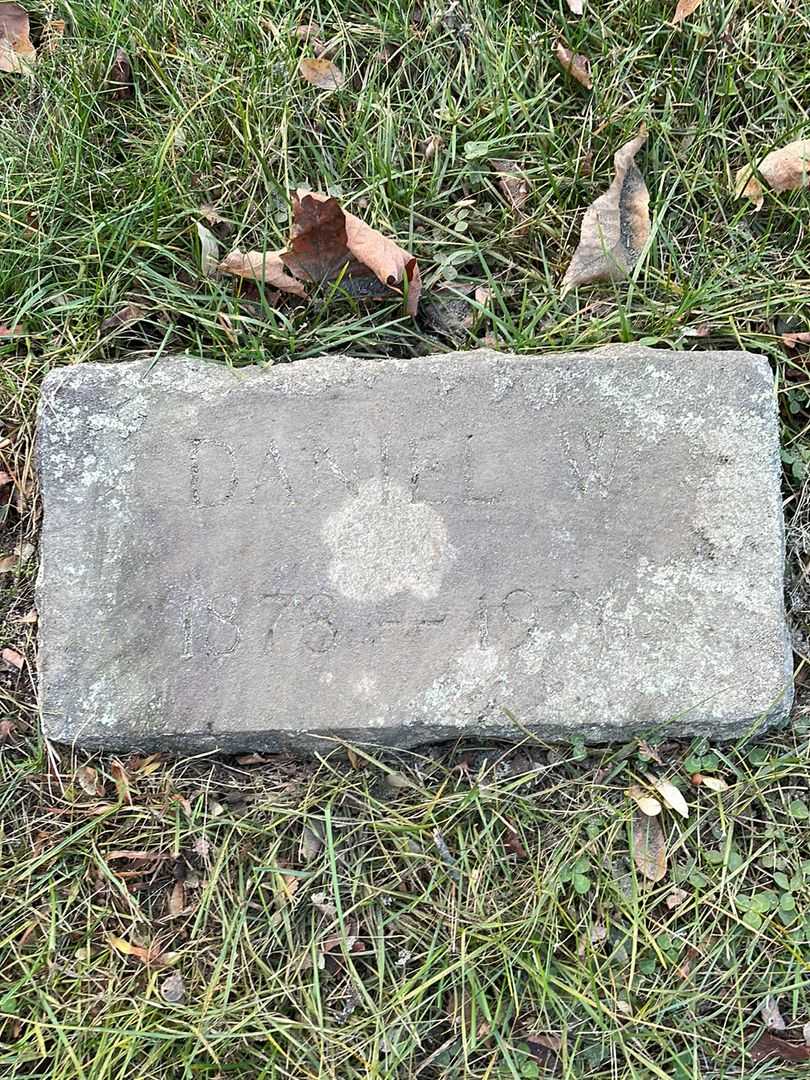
403,551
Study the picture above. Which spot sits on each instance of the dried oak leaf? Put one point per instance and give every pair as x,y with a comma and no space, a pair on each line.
683,10
786,169
17,53
327,243
575,64
512,181
119,83
616,226
649,846
321,73
263,266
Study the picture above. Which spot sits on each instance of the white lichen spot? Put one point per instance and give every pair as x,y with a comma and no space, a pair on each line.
365,685
383,544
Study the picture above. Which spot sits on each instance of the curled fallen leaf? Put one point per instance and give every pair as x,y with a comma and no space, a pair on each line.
89,780
430,147
263,266
646,803
575,64
771,1016
616,226
649,847
127,315
327,243
176,902
786,169
150,955
209,251
512,181
671,796
321,73
17,53
119,84
119,775
683,10
172,989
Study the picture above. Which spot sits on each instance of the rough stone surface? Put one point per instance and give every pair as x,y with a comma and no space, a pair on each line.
406,550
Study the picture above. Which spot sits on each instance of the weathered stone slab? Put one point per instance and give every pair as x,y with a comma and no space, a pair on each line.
400,551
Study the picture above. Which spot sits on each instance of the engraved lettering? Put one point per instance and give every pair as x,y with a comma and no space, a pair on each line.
213,476
594,466
349,482
272,466
209,629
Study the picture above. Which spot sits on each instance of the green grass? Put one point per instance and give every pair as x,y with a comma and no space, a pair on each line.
418,940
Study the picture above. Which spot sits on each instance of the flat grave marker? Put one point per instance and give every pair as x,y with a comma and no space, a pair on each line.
402,551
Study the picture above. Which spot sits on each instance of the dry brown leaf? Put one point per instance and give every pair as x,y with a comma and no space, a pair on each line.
321,73
176,903
713,783
14,658
683,10
647,804
263,266
785,169
671,796
649,847
771,1016
512,181
792,341
17,53
577,65
676,897
209,251
328,243
576,7
89,780
119,775
172,989
430,147
119,84
28,618
616,226
771,1046
311,842
18,330
125,316
308,31
8,563
252,759
145,955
